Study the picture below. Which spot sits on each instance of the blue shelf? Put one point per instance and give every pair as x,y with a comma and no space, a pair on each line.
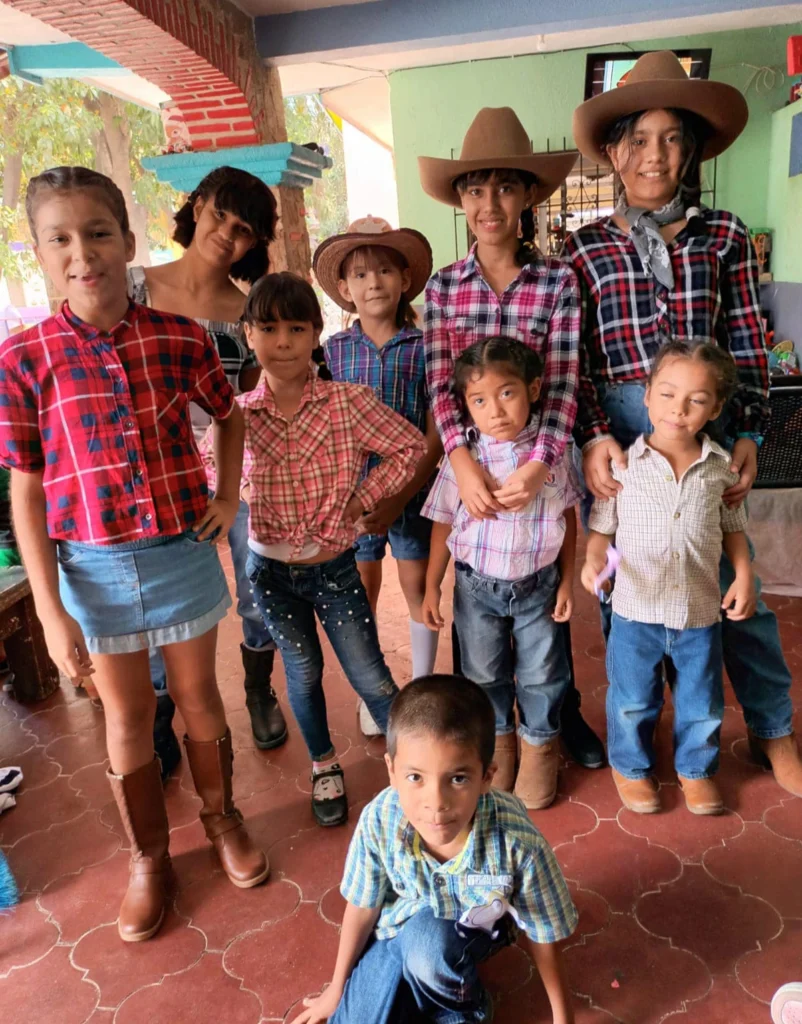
281,163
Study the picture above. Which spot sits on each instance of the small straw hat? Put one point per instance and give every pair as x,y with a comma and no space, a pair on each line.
331,254
495,139
659,82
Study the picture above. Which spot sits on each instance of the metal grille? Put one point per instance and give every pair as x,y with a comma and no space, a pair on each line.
779,461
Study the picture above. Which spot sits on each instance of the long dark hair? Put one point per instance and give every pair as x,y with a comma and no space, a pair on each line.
695,132
527,250
238,192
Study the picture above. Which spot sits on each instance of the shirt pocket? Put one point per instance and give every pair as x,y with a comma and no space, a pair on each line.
462,333
533,332
167,421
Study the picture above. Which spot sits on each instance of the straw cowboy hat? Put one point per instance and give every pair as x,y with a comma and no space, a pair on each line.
495,139
659,82
412,245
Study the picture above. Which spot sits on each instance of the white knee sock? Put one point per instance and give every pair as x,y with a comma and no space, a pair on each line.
424,648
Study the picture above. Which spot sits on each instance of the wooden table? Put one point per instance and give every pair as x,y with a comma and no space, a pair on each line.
35,675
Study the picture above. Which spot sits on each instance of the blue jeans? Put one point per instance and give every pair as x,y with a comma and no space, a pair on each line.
635,653
513,649
288,597
753,655
427,972
254,631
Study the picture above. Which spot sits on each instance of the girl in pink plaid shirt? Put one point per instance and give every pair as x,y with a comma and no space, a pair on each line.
306,442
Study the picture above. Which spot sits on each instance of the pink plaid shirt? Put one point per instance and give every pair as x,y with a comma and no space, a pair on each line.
539,308
303,472
514,545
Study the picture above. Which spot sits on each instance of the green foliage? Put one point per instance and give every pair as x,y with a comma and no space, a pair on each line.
57,123
326,200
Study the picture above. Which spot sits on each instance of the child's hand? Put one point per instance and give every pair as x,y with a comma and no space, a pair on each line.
319,1008
740,601
67,647
430,609
564,603
590,571
219,516
596,468
381,518
353,510
522,486
476,490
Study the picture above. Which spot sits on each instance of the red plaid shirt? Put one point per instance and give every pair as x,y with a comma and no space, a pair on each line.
303,472
105,416
540,308
626,318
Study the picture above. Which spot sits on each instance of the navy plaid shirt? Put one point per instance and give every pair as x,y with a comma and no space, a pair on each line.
626,316
396,372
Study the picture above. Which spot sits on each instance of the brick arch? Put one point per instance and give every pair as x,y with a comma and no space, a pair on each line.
201,52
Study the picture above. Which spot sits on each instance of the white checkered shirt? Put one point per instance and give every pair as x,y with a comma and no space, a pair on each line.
505,858
670,535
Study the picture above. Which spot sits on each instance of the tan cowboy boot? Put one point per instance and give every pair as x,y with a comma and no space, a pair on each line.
140,799
701,796
536,784
782,757
211,764
638,795
506,757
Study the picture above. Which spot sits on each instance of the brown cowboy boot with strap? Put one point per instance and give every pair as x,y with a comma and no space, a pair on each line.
140,799
211,763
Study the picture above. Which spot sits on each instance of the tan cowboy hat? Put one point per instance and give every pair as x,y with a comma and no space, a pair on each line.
412,245
659,82
495,139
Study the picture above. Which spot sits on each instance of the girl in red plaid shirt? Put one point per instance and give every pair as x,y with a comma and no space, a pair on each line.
113,518
306,443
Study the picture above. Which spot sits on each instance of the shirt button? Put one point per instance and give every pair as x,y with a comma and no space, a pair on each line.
147,517
129,424
676,515
675,554
439,881
669,476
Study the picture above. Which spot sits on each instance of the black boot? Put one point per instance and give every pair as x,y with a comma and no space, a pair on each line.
580,740
165,742
267,721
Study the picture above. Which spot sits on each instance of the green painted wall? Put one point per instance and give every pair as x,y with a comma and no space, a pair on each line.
432,108
784,214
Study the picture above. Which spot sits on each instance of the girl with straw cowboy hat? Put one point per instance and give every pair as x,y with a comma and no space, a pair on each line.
663,267
505,287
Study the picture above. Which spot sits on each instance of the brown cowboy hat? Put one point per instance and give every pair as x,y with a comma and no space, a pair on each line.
659,82
495,139
412,245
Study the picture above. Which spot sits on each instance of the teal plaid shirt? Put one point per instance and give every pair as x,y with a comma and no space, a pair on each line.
504,857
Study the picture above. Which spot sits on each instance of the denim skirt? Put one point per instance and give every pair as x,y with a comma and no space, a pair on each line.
147,593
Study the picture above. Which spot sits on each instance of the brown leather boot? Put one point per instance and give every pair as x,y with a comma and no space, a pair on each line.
536,784
140,799
701,796
782,757
506,757
638,795
211,764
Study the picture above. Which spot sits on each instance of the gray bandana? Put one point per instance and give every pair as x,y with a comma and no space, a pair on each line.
644,230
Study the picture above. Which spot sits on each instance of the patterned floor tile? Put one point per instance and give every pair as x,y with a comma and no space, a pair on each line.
725,923
745,861
762,973
198,995
25,936
40,858
50,990
726,1003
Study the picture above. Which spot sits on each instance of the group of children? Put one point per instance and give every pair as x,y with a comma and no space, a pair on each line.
119,514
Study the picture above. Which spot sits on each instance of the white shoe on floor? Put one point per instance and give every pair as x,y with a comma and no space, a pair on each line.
786,1006
366,724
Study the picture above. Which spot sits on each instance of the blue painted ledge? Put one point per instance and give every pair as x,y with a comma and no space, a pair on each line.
282,163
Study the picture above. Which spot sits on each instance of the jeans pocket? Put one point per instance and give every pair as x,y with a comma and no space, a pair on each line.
69,554
341,579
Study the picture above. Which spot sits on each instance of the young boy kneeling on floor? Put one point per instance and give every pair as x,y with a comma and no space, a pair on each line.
441,874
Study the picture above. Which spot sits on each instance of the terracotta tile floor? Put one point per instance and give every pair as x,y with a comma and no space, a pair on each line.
687,920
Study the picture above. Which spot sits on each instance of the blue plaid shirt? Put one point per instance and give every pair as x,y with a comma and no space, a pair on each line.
396,372
505,858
